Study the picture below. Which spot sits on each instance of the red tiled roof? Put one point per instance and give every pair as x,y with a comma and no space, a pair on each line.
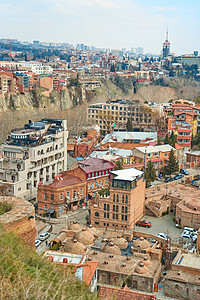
89,269
95,164
192,113
68,180
118,145
110,293
70,147
184,130
177,146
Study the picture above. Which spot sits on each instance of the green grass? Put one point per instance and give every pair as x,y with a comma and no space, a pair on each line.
5,207
26,275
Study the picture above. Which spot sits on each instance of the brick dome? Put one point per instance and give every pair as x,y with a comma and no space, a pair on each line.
74,226
111,248
141,244
74,246
84,236
141,268
120,242
146,261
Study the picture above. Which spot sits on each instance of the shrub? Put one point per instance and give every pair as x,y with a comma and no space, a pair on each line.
5,207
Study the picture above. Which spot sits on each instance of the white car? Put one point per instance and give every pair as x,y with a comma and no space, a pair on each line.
37,243
44,236
163,236
186,235
194,238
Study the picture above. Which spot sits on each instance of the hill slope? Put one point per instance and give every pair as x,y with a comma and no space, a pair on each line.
25,275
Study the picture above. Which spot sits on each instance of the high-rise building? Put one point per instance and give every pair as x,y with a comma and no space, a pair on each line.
166,47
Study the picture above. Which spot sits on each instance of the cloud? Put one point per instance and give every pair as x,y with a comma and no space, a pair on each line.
168,8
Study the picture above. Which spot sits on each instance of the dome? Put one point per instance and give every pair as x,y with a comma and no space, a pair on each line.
74,246
74,226
146,261
194,204
112,249
141,243
85,237
141,268
120,242
94,231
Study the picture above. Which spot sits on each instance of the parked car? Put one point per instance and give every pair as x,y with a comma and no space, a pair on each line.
186,235
168,179
163,236
194,238
178,176
143,223
37,243
184,171
190,229
44,236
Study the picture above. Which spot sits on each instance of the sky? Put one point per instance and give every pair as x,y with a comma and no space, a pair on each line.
114,24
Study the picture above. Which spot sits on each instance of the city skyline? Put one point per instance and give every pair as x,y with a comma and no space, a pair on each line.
111,24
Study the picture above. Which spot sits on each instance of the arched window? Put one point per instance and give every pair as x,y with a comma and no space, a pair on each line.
117,208
126,209
56,147
123,199
113,207
126,199
117,198
113,197
38,153
108,207
96,214
42,151
48,149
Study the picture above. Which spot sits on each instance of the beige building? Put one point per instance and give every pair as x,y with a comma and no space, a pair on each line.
124,206
118,112
33,154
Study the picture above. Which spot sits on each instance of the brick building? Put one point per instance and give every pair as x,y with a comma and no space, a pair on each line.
193,156
125,204
95,172
65,193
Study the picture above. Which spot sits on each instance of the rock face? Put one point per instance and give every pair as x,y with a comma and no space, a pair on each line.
20,219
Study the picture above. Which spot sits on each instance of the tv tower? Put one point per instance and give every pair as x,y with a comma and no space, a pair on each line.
166,47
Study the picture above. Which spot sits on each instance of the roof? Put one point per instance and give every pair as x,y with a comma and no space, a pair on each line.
111,151
127,174
67,180
153,149
88,271
177,146
120,136
128,146
197,153
70,162
95,164
111,293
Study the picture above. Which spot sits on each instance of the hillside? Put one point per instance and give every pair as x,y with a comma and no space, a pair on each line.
25,275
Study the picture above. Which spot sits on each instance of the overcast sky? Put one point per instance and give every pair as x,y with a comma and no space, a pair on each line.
104,23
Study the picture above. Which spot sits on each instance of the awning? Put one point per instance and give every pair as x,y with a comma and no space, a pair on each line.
50,211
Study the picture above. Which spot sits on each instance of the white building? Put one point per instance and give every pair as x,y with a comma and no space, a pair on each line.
35,153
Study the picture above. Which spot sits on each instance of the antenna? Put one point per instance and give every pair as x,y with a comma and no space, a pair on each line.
167,34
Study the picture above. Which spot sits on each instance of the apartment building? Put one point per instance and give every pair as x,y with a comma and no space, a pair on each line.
159,155
33,154
8,83
115,114
125,204
182,118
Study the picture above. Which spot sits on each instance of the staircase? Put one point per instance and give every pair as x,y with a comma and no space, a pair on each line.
153,210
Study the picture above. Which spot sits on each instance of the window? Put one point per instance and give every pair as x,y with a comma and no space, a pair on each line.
103,183
117,208
92,174
123,199
106,182
88,186
125,218
96,214
45,196
126,209
122,217
96,223
93,185
102,172
104,206
52,197
96,184
126,199
113,207
13,178
114,198
61,197
47,178
108,215
74,194
81,191
116,216
96,174
104,215
113,216
117,198
45,207
108,207
89,175
99,183
68,195
122,208
35,183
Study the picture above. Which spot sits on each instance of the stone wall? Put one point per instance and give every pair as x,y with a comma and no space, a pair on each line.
20,219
